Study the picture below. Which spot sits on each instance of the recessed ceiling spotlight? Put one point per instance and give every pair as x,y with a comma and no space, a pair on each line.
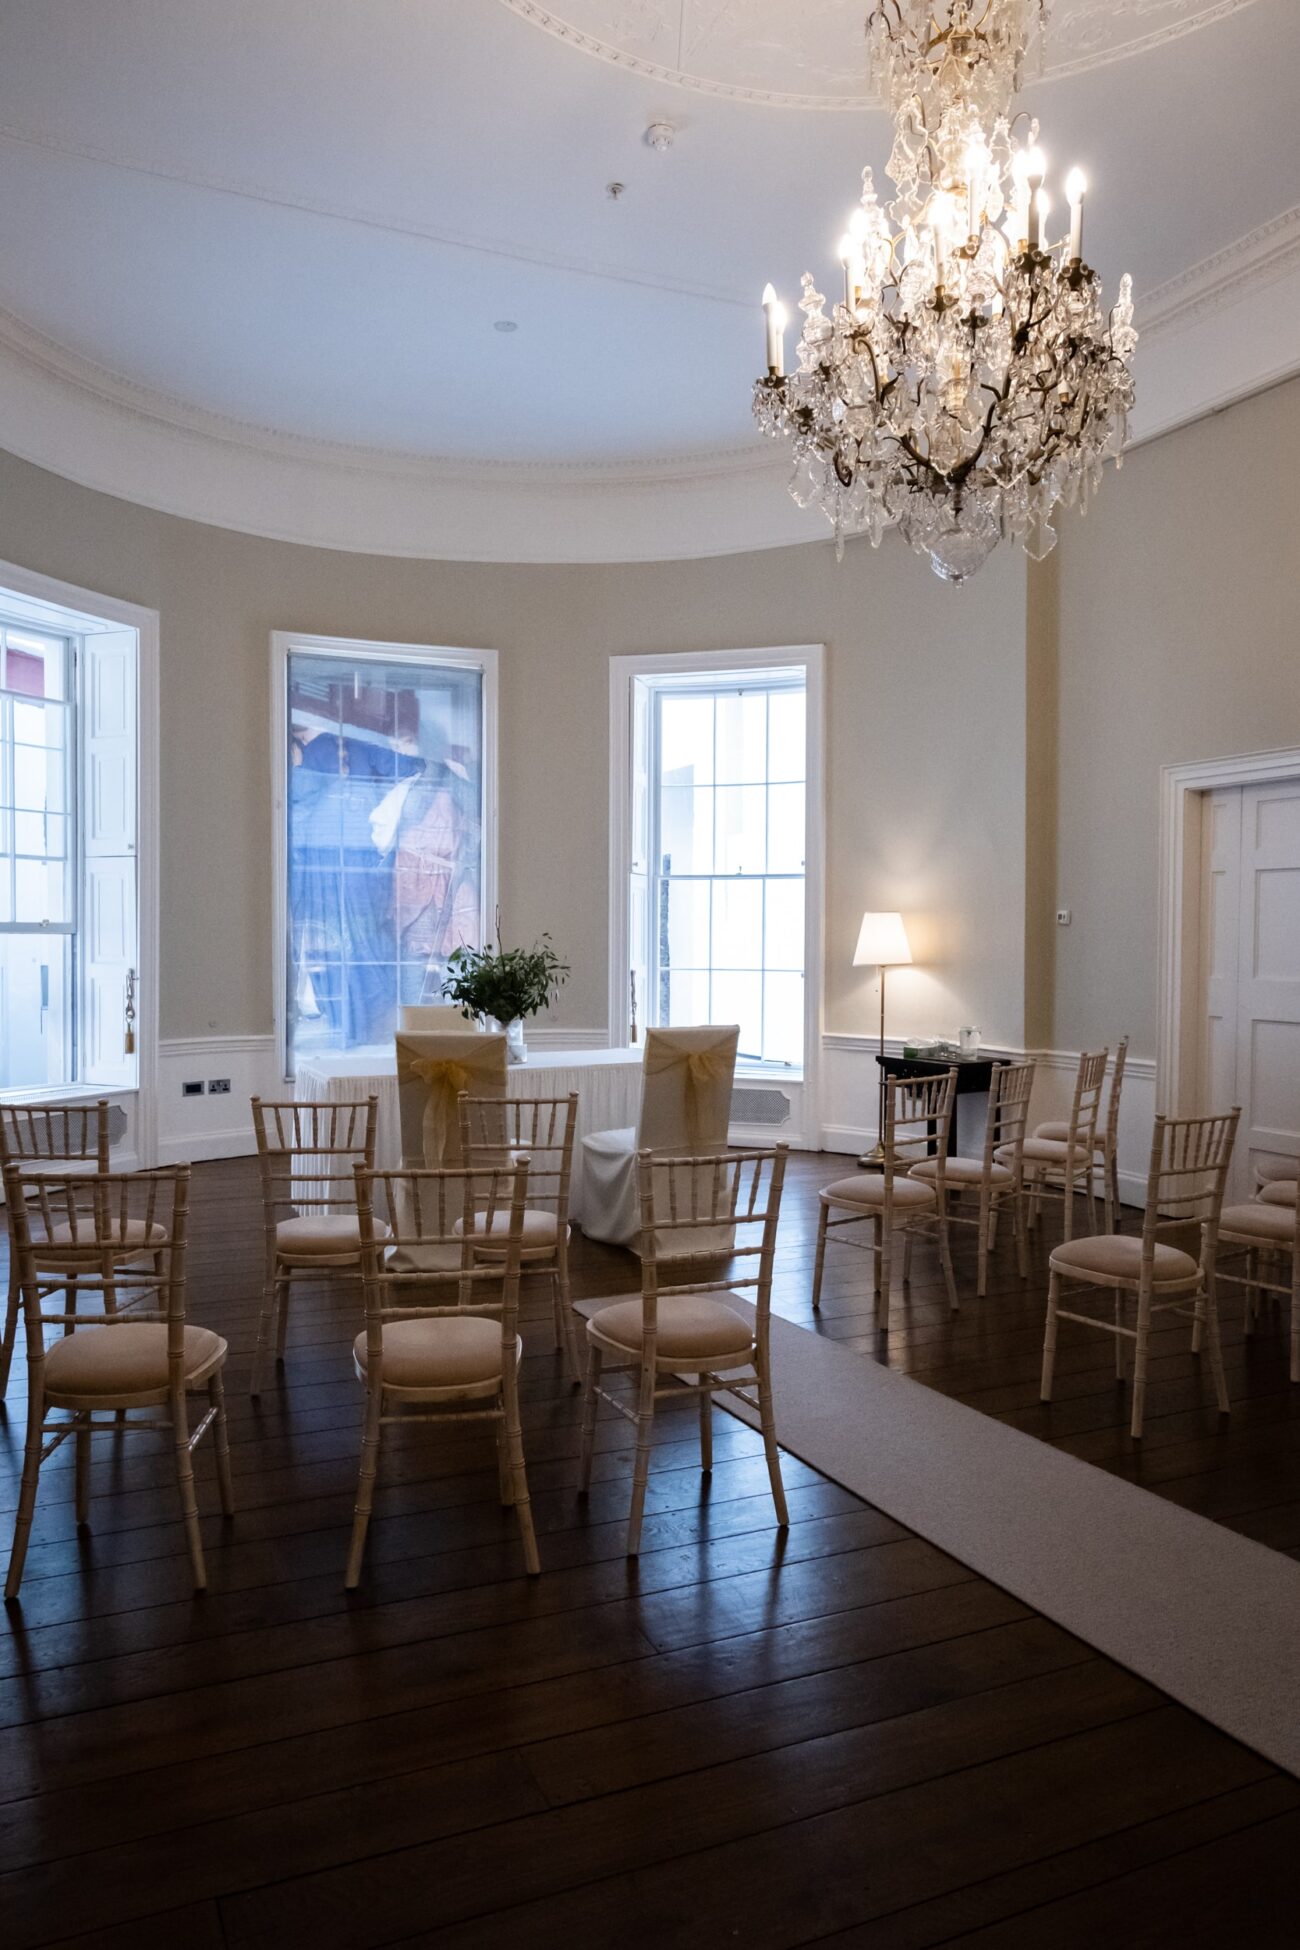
659,137
504,325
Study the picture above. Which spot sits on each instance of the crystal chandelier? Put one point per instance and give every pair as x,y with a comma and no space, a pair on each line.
968,380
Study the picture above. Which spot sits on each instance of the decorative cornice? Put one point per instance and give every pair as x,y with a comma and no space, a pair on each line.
1229,276
1081,25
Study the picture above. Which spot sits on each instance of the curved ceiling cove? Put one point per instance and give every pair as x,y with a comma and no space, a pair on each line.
812,55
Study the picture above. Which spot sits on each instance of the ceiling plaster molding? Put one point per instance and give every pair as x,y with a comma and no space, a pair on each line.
1100,55
1214,335
1239,272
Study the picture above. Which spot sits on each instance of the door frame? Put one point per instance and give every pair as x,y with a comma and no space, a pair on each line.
1183,792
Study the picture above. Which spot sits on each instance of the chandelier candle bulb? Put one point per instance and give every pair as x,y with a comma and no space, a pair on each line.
847,253
1076,185
774,319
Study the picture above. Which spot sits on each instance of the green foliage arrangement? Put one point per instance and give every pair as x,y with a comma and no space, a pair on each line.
504,982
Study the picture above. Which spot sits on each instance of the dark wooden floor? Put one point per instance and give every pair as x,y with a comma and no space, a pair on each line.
843,1737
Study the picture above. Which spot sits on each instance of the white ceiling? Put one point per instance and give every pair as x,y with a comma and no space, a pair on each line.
304,218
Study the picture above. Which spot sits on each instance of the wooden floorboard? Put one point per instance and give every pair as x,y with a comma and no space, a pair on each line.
840,1735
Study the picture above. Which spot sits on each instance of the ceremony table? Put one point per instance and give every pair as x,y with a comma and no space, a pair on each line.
608,1083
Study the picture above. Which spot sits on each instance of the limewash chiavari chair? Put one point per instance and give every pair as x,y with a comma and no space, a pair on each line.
686,1082
441,1341
1190,1157
72,1138
1265,1232
918,1118
144,1358
685,1325
1060,1168
306,1152
1107,1141
493,1133
998,1173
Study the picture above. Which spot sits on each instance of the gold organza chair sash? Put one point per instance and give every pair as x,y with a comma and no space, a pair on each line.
701,1067
446,1078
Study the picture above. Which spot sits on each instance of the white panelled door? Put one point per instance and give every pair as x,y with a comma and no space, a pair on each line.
1251,959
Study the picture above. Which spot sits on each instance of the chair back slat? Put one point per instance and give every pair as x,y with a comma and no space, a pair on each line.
494,1131
46,1135
425,1268
121,1235
306,1152
1085,1107
685,1202
1007,1121
918,1119
1187,1178
1111,1132
686,1083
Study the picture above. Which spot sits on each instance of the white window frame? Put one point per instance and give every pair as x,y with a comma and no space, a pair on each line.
704,666
65,609
364,649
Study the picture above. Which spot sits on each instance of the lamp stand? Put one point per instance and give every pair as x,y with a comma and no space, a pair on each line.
874,1160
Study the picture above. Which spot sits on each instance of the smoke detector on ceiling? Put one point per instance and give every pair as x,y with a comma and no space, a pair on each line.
659,137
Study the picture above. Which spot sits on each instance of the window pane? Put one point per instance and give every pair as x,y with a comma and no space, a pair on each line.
737,924
39,780
686,739
385,840
786,747
783,928
684,997
38,724
785,829
35,984
40,891
35,666
739,998
738,841
43,835
685,828
686,925
742,737
783,1019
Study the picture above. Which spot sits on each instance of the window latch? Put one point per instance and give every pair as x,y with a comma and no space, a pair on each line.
128,1041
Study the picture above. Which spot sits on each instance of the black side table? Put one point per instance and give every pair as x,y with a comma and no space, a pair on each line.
974,1077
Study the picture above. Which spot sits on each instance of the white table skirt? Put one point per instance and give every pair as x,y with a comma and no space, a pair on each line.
608,1083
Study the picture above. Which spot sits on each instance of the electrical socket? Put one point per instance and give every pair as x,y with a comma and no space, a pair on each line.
218,1086
191,1090
1063,917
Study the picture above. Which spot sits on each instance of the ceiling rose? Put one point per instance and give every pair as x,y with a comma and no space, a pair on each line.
811,55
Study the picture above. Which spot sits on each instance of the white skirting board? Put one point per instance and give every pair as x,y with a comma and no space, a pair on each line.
1209,1617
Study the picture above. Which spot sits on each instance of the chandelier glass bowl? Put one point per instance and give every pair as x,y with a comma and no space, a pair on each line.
968,380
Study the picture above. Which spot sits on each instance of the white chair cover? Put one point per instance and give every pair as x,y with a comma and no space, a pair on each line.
685,1107
432,1070
425,1016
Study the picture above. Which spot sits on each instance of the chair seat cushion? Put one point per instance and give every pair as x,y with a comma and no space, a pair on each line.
135,1236
612,1144
961,1171
691,1327
1118,1257
327,1234
126,1360
1045,1151
540,1230
867,1189
452,1352
1277,1191
1057,1131
1268,1225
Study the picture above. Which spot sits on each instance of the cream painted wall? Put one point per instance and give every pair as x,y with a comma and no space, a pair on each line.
1178,638
925,748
